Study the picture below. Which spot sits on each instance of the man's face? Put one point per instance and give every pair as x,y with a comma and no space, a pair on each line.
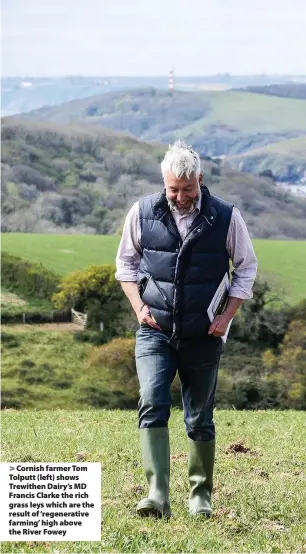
184,192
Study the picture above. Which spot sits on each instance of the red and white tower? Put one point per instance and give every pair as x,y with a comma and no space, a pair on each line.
171,81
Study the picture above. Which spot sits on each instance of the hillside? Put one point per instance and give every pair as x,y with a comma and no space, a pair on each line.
286,160
284,90
26,93
215,123
82,179
145,112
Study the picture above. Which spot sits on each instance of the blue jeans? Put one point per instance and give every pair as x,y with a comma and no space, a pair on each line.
158,357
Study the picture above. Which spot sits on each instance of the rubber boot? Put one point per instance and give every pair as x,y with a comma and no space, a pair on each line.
156,460
201,458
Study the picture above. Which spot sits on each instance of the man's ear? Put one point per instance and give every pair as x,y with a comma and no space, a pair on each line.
201,179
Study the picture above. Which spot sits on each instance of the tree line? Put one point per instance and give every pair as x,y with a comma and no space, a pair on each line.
67,180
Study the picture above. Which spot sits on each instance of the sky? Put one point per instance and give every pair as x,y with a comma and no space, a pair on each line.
141,37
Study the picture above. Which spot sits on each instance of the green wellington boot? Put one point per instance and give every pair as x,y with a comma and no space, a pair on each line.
201,458
156,460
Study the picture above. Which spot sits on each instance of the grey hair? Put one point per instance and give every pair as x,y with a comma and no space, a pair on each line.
181,159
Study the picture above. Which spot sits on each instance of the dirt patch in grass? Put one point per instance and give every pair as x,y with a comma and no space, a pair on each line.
238,448
178,457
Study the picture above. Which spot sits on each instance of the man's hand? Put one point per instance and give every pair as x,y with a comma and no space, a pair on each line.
219,325
141,310
144,316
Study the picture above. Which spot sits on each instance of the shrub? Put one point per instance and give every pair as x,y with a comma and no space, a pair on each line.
27,278
223,397
289,365
110,380
113,367
257,323
96,292
115,362
248,393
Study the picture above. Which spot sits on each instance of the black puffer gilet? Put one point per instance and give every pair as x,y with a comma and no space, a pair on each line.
177,279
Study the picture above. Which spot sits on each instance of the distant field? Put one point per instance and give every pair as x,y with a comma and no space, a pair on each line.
282,263
62,253
250,112
295,148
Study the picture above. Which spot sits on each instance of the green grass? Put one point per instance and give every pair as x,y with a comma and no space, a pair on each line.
251,113
62,253
32,304
53,360
282,263
294,148
257,497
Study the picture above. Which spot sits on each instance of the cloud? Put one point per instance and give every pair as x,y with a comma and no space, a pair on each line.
142,37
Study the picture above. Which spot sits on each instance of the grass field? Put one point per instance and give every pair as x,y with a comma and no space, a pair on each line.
251,113
294,148
257,496
62,253
41,367
282,263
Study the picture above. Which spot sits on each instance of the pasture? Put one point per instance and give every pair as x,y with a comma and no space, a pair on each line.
282,263
249,112
258,487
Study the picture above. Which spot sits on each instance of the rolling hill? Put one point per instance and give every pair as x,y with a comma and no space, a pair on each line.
80,179
26,93
216,123
143,112
284,90
286,159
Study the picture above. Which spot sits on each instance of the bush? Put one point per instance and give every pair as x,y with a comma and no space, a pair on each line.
287,367
113,367
27,278
96,292
115,362
258,324
223,397
110,380
248,393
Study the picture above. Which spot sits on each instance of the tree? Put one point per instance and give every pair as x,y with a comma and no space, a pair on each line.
286,369
256,322
96,292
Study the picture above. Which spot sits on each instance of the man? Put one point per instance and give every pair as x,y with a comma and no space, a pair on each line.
175,249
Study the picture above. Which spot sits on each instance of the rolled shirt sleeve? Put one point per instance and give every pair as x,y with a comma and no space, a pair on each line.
241,252
129,251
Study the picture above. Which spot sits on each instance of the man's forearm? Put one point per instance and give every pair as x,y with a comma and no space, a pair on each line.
130,289
233,305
